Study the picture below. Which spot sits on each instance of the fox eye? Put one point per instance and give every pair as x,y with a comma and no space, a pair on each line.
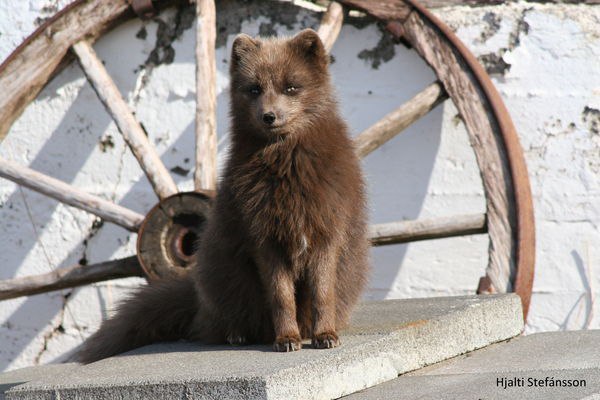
291,89
254,90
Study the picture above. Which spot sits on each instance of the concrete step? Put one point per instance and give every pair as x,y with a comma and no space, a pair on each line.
554,365
385,339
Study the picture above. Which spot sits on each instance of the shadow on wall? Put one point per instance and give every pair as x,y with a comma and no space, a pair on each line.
82,125
587,308
398,173
35,312
407,169
104,248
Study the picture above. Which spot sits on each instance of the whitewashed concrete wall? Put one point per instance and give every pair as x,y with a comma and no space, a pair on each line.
544,60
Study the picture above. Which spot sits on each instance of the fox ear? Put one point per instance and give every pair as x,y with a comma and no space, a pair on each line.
242,46
310,45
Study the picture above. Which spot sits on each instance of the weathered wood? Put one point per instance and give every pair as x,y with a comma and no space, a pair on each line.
70,195
497,149
475,3
399,119
489,151
331,24
387,10
447,3
33,63
412,231
130,128
396,10
63,278
25,72
143,8
27,69
205,175
170,234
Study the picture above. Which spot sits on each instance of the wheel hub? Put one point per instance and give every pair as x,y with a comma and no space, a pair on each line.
169,235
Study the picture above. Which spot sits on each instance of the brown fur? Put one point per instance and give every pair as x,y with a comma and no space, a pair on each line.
283,255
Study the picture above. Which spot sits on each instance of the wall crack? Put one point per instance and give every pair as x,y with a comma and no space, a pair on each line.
56,330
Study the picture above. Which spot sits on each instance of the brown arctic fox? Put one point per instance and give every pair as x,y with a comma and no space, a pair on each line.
283,255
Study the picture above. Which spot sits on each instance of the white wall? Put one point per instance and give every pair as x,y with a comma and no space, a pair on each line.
552,90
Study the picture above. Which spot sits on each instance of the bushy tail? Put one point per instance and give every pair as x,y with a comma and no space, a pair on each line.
159,312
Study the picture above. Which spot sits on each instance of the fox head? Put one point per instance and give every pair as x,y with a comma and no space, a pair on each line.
278,86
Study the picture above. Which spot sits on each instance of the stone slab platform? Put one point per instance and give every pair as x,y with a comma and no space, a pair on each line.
531,367
385,339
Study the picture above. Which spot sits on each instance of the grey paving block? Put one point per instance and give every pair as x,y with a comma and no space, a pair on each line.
553,365
24,375
540,351
385,339
486,386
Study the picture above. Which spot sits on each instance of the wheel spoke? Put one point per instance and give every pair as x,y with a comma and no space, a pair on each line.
205,175
399,119
331,24
132,131
70,195
412,231
76,275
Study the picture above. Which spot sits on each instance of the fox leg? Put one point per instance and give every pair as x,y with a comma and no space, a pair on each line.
322,283
279,284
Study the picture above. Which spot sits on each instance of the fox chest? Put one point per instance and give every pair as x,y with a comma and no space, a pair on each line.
292,209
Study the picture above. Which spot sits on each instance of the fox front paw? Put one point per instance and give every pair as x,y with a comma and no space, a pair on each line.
325,340
287,343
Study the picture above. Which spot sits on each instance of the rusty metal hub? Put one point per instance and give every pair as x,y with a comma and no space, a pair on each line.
169,234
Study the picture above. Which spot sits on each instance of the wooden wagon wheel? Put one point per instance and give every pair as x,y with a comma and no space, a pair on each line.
175,221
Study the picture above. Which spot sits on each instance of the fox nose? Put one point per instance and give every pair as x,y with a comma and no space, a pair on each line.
269,118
